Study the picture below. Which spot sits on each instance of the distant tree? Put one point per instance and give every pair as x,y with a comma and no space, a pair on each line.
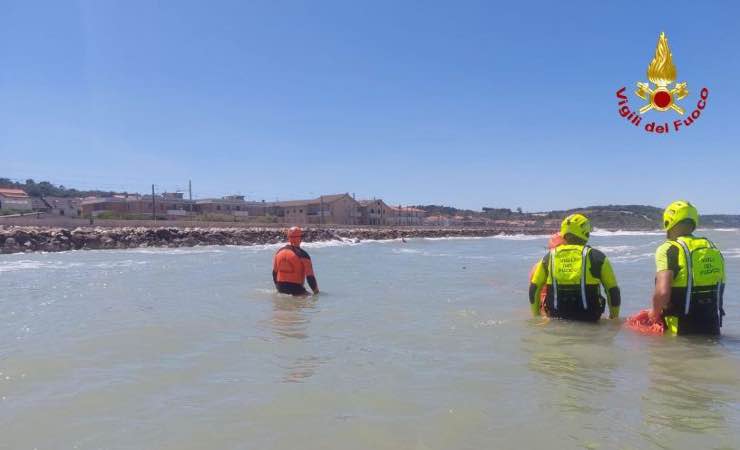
47,189
434,210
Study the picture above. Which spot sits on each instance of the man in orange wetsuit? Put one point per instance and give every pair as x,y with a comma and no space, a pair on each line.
292,266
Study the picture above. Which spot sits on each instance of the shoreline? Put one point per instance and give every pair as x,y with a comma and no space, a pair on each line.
28,239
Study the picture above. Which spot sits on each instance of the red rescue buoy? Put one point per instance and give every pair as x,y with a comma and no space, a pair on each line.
642,323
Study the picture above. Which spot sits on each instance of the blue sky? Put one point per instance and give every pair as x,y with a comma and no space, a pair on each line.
463,103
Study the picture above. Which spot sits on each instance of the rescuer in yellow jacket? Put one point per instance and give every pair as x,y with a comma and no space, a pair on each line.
690,276
572,273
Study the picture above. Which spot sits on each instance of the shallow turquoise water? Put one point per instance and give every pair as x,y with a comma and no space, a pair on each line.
423,345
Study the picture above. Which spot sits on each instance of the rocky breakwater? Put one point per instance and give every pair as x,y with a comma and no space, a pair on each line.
15,239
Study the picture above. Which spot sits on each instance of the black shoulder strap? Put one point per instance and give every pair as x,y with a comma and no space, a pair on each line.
672,258
546,262
299,252
285,247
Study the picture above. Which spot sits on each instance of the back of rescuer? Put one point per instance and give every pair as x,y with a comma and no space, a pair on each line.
690,276
291,267
571,274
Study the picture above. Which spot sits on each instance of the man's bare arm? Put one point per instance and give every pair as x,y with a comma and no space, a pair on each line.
662,295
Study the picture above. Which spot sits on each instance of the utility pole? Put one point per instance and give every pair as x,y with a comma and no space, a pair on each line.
190,194
154,207
321,209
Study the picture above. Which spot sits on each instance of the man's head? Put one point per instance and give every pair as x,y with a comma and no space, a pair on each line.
680,218
576,229
295,236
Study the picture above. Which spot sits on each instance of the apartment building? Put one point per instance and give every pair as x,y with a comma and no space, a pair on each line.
405,216
374,212
167,205
339,209
233,205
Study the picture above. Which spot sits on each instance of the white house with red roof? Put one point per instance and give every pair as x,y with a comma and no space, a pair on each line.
14,200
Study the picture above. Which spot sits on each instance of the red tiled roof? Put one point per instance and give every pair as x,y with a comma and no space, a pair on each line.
314,201
372,202
96,200
407,209
13,193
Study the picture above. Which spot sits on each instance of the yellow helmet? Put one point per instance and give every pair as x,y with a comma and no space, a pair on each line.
578,225
678,211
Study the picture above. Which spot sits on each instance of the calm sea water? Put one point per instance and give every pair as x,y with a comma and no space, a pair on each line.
423,345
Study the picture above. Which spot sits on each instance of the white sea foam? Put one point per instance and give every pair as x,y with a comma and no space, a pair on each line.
265,290
521,237
453,238
628,258
119,264
412,251
490,323
406,250
617,248
600,232
25,264
480,257
332,243
175,251
731,253
12,266
313,245
507,237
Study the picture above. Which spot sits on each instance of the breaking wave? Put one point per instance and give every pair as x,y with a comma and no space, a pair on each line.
25,264
507,237
600,232
634,257
174,251
610,249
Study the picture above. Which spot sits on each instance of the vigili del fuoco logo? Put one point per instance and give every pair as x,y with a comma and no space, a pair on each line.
662,94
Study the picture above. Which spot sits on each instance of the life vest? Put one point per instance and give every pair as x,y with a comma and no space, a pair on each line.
572,290
292,265
697,287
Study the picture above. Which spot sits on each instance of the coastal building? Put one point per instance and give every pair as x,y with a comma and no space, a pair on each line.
62,206
437,220
337,209
168,205
135,205
232,205
374,212
15,200
93,206
405,216
37,204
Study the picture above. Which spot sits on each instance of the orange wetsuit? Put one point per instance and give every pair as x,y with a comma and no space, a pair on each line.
290,268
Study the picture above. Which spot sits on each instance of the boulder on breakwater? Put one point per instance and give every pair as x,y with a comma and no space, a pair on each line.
15,239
